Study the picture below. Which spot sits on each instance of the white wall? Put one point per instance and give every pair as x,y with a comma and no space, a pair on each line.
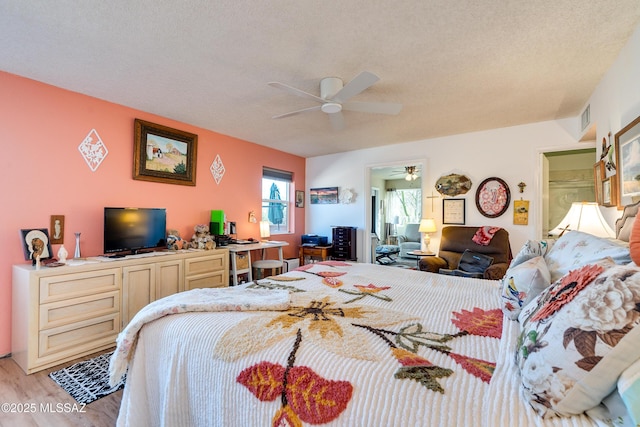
509,153
512,154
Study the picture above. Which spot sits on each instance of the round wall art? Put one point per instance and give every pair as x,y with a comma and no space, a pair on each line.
492,197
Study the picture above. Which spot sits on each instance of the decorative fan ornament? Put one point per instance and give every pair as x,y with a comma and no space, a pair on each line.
334,98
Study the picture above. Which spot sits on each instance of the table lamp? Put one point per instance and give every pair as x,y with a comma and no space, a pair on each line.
427,226
264,230
585,217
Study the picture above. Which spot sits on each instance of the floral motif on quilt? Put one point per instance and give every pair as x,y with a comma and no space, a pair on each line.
349,331
578,336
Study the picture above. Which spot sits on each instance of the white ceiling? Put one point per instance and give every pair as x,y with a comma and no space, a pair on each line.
456,66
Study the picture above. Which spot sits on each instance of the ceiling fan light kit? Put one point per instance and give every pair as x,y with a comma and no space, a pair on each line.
334,96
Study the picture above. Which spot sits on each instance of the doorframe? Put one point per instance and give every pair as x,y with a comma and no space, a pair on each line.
422,163
542,181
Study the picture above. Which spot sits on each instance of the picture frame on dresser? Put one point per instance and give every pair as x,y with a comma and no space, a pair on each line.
163,154
35,240
627,144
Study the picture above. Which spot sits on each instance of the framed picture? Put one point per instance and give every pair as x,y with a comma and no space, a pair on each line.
163,154
609,191
323,196
492,197
56,229
628,163
35,242
453,211
299,199
521,212
598,175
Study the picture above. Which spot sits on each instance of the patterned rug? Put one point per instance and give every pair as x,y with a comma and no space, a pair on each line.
87,381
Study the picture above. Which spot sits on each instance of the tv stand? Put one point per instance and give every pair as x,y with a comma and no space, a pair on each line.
64,313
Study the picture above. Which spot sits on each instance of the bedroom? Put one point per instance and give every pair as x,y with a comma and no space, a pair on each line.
42,127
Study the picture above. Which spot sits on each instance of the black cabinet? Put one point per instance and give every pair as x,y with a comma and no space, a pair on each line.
344,243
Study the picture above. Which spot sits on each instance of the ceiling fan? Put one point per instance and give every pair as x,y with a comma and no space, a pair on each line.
410,173
334,98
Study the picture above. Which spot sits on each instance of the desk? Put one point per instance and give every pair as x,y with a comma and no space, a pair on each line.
235,249
311,251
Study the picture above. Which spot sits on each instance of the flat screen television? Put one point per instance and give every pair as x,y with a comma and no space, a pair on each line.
134,230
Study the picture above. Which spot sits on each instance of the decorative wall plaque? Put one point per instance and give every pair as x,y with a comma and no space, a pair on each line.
453,185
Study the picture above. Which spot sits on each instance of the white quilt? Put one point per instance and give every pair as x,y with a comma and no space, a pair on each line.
359,345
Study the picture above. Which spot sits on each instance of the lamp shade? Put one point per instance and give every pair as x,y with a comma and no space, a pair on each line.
427,226
585,217
264,229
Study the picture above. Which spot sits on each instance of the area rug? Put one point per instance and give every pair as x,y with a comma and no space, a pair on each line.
87,381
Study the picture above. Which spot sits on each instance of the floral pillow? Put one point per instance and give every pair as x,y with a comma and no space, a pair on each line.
578,336
575,249
531,249
629,389
523,283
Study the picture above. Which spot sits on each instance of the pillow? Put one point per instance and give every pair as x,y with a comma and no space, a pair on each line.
471,264
624,232
629,390
634,241
531,249
575,249
523,283
578,336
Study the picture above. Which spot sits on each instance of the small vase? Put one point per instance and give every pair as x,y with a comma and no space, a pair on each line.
77,254
62,254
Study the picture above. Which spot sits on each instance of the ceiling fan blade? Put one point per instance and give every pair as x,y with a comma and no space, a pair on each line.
373,107
361,82
337,120
293,113
294,91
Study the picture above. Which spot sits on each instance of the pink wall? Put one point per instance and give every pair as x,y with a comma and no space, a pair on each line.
42,173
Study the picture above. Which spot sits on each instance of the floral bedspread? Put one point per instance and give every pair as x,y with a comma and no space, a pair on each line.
359,345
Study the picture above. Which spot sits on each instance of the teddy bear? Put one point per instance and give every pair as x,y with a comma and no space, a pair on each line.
174,241
201,239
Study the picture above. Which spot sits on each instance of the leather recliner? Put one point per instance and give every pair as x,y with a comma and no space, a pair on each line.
453,242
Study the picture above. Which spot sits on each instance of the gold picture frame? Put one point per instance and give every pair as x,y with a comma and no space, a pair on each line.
627,185
163,154
598,175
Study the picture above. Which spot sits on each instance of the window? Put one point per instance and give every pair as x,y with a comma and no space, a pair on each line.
276,199
404,206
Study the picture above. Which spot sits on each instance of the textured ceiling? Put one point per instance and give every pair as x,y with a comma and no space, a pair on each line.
456,66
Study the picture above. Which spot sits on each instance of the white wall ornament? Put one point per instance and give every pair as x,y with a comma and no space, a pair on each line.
217,169
93,150
347,195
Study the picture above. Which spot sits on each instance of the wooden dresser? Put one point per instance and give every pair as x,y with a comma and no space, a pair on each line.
63,313
344,243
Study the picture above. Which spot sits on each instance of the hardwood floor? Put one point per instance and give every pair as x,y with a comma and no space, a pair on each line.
36,400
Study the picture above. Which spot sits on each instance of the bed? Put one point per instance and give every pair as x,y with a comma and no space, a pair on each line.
334,344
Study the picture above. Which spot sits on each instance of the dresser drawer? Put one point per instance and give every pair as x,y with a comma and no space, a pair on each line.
70,311
216,279
66,286
205,264
90,333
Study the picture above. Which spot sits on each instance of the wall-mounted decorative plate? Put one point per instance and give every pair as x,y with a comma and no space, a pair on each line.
492,197
453,185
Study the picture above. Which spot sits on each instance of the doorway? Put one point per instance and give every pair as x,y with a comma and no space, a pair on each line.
383,178
567,177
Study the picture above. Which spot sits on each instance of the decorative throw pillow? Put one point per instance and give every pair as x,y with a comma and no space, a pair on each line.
578,336
523,283
629,390
575,249
634,241
531,249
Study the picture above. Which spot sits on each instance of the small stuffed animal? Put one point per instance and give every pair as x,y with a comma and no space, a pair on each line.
174,241
201,239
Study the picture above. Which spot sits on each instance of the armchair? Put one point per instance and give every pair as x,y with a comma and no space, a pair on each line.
409,240
454,241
